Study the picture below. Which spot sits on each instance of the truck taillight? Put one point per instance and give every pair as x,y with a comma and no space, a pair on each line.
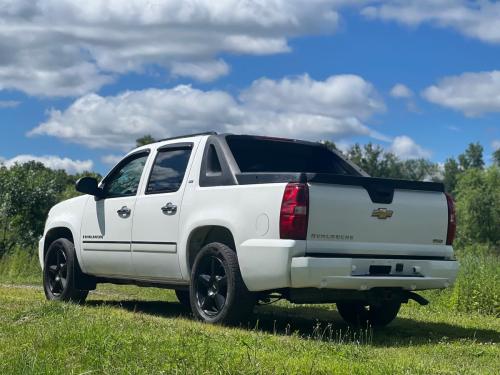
294,212
452,220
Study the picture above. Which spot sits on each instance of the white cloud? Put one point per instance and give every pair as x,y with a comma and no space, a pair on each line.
495,144
293,107
53,162
401,91
471,93
476,19
9,103
69,48
203,71
111,159
337,96
406,148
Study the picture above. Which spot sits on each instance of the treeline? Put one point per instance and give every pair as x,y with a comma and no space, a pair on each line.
29,190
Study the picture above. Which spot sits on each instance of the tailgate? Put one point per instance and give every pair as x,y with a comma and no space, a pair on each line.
349,220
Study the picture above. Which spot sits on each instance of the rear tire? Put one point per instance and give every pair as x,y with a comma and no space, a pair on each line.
60,271
217,292
361,315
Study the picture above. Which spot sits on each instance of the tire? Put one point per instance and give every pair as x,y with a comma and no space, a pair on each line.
60,271
360,315
217,291
183,297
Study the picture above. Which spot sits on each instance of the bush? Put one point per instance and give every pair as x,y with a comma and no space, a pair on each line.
477,288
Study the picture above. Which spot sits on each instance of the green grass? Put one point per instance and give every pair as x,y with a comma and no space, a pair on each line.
140,330
124,329
20,266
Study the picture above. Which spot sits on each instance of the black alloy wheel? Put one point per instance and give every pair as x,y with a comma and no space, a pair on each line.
60,271
217,291
211,290
57,271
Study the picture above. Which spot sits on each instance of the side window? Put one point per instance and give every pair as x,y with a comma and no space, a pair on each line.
124,181
168,170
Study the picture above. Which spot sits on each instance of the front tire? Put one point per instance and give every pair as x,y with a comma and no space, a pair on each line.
60,271
361,315
217,292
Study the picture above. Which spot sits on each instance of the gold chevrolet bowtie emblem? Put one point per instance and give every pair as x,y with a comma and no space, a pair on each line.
382,213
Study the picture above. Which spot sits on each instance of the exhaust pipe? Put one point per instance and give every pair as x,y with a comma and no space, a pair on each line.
417,298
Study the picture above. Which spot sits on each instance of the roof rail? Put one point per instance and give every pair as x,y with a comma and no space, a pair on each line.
186,136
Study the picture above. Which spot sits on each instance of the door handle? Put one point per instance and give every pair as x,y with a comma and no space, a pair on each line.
124,211
169,208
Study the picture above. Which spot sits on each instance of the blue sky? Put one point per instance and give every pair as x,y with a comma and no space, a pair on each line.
405,75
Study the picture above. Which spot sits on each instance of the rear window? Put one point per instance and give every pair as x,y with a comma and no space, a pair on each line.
254,154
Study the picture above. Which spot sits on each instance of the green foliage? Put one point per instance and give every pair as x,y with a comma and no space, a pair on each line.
496,157
379,163
20,266
478,206
27,192
477,288
144,140
330,145
451,172
472,157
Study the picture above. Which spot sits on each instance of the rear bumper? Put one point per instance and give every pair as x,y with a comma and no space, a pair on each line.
353,273
278,264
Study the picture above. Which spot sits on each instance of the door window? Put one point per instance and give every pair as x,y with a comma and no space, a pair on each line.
124,180
168,170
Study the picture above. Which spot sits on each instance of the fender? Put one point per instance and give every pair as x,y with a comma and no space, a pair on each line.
67,214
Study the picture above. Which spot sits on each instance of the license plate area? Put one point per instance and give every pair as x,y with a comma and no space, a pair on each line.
389,267
379,270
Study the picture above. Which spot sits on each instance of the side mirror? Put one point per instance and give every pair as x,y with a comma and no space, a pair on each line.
88,185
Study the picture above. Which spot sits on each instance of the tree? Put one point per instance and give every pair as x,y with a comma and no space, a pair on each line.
27,192
478,206
330,145
370,158
379,163
451,173
496,157
144,140
420,169
472,157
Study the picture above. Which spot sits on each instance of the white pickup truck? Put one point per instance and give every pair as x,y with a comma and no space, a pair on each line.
230,220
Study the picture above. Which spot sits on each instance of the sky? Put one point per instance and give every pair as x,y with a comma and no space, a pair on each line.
80,81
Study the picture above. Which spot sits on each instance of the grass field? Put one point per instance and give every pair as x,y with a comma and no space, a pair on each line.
124,329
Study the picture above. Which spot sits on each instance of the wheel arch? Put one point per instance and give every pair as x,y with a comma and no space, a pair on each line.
55,233
204,235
